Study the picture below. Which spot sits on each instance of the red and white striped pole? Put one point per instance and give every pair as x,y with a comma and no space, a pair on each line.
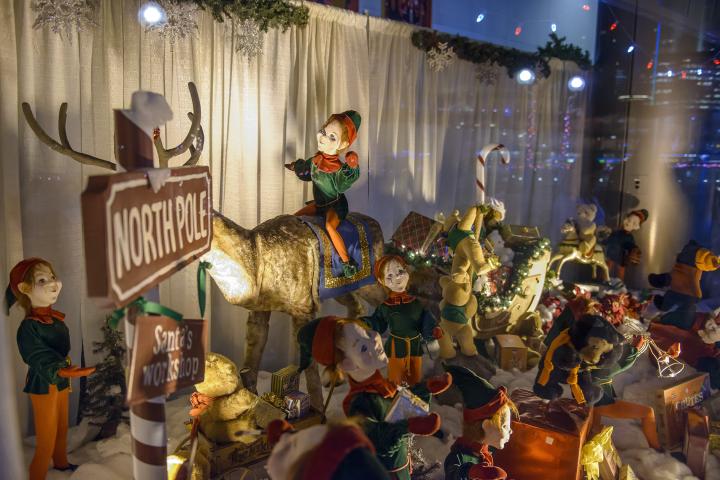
147,423
480,167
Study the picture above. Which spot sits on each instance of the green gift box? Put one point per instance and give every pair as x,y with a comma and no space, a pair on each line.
285,380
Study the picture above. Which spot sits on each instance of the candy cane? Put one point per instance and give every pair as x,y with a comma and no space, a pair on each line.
480,170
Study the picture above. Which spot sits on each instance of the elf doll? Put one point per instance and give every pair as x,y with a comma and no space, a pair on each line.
339,451
410,324
44,343
347,346
620,246
331,177
486,423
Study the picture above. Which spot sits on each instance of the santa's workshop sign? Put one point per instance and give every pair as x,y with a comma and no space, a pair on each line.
167,355
137,235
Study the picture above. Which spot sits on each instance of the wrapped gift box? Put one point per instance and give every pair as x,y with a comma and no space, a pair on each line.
296,404
548,437
714,435
285,380
511,352
406,405
696,445
611,463
627,473
671,404
417,232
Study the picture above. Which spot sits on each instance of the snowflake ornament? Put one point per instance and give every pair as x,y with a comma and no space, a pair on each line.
64,17
248,39
180,21
486,74
441,56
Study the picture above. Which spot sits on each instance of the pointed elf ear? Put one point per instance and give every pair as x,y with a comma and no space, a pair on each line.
24,288
344,144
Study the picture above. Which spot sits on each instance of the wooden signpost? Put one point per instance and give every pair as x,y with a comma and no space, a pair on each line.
139,228
136,237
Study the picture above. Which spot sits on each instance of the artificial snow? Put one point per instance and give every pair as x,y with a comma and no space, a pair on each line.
111,459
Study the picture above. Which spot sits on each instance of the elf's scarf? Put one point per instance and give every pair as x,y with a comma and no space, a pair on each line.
376,383
396,298
45,315
327,163
477,449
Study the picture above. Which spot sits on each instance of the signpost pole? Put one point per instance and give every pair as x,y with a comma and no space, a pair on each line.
147,423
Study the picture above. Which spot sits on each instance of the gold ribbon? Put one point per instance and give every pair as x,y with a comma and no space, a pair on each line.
593,453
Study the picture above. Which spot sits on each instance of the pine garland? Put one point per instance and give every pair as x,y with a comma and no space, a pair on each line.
512,59
524,257
106,389
267,14
418,260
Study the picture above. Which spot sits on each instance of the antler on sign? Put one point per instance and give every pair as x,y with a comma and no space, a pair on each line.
64,147
195,134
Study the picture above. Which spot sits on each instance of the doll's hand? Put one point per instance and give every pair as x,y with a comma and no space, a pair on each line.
427,425
433,346
290,166
351,158
439,383
711,333
638,341
480,471
634,256
437,332
75,371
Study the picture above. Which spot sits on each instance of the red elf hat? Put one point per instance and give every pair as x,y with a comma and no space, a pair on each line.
482,400
17,274
317,341
351,121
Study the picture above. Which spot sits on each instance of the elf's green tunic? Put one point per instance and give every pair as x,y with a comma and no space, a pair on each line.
390,439
44,348
405,320
604,376
328,187
463,457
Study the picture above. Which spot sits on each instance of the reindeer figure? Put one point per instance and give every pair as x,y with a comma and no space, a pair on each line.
273,267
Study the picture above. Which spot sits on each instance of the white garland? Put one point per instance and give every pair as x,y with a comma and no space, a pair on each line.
248,39
64,17
441,57
180,21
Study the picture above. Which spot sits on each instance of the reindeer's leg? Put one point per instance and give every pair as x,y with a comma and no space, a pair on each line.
312,376
255,340
351,301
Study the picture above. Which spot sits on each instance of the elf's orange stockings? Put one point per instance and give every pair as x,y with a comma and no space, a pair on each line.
405,370
332,221
51,425
623,409
308,210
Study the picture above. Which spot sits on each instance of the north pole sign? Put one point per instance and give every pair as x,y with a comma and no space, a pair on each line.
135,237
167,355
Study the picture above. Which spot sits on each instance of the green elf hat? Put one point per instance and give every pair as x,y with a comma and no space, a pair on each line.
317,341
642,214
482,400
351,121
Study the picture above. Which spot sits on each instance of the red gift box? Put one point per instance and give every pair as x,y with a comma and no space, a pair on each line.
547,438
417,233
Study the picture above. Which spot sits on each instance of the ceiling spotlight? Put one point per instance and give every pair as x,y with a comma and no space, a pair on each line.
553,27
525,76
151,13
576,83
480,18
630,48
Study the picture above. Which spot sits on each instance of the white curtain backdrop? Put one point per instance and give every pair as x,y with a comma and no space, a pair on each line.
420,134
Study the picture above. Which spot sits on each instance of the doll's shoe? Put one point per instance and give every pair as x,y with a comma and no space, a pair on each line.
69,468
439,384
